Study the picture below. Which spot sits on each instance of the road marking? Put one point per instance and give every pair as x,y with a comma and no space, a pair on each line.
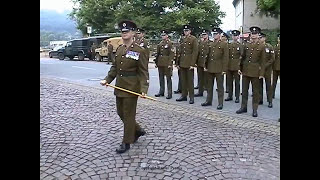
83,67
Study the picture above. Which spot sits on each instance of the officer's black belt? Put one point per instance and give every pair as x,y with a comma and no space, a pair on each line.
127,73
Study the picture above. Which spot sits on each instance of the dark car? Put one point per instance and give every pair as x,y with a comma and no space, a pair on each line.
54,53
80,48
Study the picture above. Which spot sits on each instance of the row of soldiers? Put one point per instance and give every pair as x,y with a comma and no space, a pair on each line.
213,60
254,61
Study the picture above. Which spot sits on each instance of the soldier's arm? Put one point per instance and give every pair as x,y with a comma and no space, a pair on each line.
206,59
178,55
241,51
171,53
157,55
225,58
112,73
194,51
243,56
143,73
262,61
198,56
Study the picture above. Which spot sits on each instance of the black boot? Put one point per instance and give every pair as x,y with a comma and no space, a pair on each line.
260,102
228,99
142,132
123,148
182,99
197,87
241,110
255,113
270,105
237,100
220,106
191,101
177,91
206,104
159,94
169,96
198,95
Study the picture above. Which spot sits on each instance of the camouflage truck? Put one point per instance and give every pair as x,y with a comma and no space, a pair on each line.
103,51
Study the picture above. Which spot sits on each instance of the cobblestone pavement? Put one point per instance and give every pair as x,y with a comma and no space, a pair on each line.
80,130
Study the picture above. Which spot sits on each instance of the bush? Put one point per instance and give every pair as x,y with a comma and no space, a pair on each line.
272,36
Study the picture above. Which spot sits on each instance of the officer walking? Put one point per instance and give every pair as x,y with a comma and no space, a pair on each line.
276,67
268,70
252,69
216,65
203,53
131,72
187,62
164,62
235,55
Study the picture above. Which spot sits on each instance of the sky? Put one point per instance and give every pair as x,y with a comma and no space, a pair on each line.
225,5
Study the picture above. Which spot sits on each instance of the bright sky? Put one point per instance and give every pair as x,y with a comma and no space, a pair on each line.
57,5
229,21
225,5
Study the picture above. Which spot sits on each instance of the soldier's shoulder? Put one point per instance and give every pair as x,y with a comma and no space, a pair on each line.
223,43
137,47
193,37
269,45
120,46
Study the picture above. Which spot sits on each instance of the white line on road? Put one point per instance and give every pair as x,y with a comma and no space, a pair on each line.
83,67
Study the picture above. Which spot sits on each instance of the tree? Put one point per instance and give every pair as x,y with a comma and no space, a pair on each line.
269,7
152,15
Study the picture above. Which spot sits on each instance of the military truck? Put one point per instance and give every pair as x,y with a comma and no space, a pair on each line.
103,51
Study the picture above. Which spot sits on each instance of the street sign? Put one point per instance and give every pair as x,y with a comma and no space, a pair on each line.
89,29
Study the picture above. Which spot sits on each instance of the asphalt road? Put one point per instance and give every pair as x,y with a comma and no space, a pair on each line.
89,73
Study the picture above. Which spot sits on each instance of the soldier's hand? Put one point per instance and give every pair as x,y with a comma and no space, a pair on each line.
155,66
223,73
205,69
143,95
260,77
239,72
178,67
169,67
103,82
191,68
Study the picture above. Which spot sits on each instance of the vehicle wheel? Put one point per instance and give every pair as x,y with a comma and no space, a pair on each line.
71,57
81,56
98,57
61,56
50,55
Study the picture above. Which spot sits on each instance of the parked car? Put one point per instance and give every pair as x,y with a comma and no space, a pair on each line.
54,52
80,48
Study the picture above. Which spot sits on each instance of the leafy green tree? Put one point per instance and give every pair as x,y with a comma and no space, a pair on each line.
152,15
269,7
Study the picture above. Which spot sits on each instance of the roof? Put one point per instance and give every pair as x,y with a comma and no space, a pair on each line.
110,39
88,38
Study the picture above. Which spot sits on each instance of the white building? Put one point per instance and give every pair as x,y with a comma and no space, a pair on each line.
245,16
